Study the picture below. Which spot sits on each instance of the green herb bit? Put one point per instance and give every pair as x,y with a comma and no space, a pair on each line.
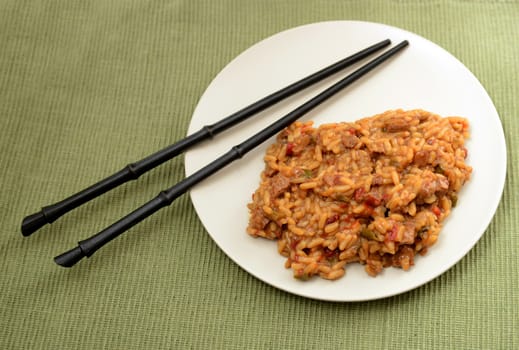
421,232
454,199
308,173
439,170
342,198
303,277
373,235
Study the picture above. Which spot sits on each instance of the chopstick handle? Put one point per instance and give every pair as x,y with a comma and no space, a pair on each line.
50,213
89,246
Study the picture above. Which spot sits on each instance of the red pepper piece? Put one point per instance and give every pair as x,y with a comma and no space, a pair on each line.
436,211
290,149
358,195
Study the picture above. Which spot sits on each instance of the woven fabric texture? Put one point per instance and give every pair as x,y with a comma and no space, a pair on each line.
88,86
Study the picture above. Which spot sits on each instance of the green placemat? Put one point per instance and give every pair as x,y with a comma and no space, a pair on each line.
88,86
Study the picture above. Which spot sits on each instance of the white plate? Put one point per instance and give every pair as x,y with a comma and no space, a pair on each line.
422,76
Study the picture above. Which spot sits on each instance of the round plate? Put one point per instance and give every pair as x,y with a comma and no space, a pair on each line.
421,76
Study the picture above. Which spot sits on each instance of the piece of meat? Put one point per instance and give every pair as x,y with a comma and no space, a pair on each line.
270,171
421,157
404,258
396,125
349,141
380,180
408,236
433,184
278,185
257,219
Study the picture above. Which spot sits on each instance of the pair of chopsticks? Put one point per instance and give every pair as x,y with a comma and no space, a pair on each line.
89,246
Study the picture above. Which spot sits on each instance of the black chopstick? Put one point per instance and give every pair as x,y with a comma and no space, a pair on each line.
89,246
50,213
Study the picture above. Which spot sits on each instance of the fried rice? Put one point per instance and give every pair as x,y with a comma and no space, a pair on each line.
375,191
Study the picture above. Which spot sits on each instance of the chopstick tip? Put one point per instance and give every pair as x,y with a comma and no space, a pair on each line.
70,258
32,223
